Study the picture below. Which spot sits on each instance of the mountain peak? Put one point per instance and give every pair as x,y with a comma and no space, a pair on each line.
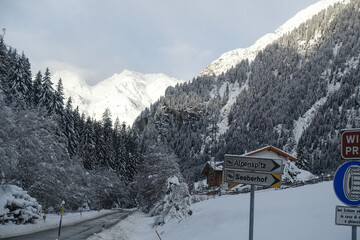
126,94
232,58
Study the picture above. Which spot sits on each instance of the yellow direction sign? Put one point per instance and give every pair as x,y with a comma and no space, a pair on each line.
253,178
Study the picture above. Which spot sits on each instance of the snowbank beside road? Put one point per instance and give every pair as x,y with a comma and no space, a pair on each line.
135,225
306,212
52,221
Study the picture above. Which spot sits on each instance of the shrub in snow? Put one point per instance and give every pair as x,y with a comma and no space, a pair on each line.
85,205
176,202
17,206
201,185
198,198
294,174
159,186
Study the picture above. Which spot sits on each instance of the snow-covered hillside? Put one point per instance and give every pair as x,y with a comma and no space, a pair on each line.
125,94
231,58
299,213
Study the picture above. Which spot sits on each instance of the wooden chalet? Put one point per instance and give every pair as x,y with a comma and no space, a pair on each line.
214,173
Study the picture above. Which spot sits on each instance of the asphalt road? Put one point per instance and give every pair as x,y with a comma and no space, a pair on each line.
76,232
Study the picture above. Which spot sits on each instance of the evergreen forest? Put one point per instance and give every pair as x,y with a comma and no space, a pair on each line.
296,95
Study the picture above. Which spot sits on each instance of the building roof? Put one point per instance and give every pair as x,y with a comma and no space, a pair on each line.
210,164
271,148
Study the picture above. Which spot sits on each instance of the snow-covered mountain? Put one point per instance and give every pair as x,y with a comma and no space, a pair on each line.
125,94
296,94
233,57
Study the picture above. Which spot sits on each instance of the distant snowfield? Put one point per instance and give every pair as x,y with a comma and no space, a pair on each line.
125,94
306,212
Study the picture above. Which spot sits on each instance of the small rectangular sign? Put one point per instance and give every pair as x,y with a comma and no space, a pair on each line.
253,163
350,144
252,178
349,216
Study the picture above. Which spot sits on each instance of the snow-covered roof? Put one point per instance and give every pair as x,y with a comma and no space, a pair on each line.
218,166
271,148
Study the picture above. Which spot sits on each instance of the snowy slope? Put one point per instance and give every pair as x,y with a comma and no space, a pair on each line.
303,122
231,58
299,213
125,94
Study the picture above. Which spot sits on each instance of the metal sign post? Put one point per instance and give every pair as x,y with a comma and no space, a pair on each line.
252,207
253,171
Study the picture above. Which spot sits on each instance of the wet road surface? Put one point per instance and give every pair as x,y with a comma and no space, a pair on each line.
78,231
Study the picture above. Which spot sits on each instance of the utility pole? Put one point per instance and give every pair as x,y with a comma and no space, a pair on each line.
213,131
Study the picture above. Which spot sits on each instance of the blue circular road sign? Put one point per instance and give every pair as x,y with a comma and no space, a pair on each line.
347,183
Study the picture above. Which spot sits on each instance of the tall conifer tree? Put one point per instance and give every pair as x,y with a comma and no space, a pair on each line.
37,89
47,92
58,100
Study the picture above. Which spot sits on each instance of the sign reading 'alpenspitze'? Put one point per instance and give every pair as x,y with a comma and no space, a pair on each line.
253,163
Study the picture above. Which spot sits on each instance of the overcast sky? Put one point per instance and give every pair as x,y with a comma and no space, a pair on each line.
97,38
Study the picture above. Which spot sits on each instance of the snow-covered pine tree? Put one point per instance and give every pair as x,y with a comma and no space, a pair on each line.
27,79
99,144
175,204
58,100
301,162
119,148
19,207
19,79
37,89
132,153
108,147
68,128
47,92
160,187
87,150
78,126
4,64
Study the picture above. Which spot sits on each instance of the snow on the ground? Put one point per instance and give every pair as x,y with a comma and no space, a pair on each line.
306,212
52,221
126,229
